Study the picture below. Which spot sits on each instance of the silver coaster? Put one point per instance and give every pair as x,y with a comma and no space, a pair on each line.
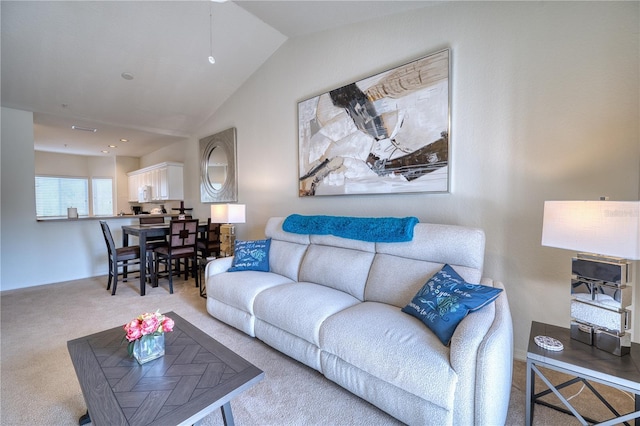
548,343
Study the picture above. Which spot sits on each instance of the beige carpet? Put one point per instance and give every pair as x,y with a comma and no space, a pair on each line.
39,385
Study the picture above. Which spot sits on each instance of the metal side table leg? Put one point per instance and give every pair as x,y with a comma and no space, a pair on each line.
529,394
227,415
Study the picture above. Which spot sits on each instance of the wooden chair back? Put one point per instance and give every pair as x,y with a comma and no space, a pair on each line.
108,238
183,233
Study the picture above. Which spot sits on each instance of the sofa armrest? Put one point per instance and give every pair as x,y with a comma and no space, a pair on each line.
217,266
482,355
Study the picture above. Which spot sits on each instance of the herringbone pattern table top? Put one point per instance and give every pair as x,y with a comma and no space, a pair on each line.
196,375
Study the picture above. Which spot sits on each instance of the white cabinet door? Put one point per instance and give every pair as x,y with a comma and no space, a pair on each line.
166,181
133,187
155,184
174,180
163,183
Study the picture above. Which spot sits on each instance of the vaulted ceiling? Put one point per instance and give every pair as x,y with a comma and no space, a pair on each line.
139,70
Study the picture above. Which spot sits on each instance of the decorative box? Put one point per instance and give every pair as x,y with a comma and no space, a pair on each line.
588,313
617,344
598,293
582,332
609,272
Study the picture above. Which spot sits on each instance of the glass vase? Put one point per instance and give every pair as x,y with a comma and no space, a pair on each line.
148,348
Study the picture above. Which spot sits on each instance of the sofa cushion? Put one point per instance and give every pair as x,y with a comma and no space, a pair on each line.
239,289
307,306
404,276
251,256
446,299
455,245
340,268
384,342
285,258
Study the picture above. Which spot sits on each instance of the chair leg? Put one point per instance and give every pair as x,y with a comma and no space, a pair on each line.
157,269
115,277
194,270
171,274
151,269
110,274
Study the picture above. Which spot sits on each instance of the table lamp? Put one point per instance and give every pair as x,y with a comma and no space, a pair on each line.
227,215
606,235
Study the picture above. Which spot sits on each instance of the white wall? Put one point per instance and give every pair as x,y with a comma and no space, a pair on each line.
545,106
32,252
124,165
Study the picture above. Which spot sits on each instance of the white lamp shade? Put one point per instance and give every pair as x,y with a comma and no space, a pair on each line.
227,213
610,228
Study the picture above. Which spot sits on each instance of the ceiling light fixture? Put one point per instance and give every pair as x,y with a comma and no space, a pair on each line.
124,140
84,129
113,146
211,58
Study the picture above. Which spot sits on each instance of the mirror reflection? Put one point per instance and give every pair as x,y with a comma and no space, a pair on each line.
217,164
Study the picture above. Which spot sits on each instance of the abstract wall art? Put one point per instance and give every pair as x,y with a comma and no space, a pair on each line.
385,134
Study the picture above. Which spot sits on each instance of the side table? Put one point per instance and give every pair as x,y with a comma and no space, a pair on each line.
586,363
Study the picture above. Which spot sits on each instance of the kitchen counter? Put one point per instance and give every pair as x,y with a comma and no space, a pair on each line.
83,218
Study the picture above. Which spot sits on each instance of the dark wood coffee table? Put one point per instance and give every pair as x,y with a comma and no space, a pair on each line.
196,376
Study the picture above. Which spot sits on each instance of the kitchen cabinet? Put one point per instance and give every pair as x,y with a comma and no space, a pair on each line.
164,181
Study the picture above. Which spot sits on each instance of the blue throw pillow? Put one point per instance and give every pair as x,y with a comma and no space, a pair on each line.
446,299
251,256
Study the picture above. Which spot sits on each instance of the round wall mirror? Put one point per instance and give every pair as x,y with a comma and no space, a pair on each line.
218,167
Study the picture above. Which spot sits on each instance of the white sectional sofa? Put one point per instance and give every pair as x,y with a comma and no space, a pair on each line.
335,304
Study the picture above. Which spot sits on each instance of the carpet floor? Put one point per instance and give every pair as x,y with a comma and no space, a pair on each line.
39,385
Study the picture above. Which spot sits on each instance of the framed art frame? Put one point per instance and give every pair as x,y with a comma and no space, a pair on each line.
218,177
388,133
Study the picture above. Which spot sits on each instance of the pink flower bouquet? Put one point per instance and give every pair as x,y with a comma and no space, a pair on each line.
147,324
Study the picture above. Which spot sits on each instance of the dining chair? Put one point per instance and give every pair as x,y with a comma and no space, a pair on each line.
209,243
183,235
122,257
152,242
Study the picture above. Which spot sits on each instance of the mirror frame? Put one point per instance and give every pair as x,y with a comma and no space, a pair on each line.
225,140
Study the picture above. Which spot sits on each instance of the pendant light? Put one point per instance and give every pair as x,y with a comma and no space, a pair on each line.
211,58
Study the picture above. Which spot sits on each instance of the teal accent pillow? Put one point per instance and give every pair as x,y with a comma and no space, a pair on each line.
251,256
446,299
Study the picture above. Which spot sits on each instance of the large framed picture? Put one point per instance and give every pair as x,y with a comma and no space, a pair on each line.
385,134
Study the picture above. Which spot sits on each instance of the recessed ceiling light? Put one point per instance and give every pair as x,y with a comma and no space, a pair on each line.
113,146
127,75
84,129
124,140
104,151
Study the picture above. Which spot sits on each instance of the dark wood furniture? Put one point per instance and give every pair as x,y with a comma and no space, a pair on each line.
152,242
585,363
183,236
196,376
143,232
209,243
122,257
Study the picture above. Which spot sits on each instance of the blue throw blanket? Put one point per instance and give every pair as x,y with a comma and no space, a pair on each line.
373,229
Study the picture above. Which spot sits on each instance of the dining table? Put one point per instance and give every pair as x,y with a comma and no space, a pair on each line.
143,232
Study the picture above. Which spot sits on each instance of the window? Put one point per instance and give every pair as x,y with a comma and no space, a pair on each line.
102,189
55,194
